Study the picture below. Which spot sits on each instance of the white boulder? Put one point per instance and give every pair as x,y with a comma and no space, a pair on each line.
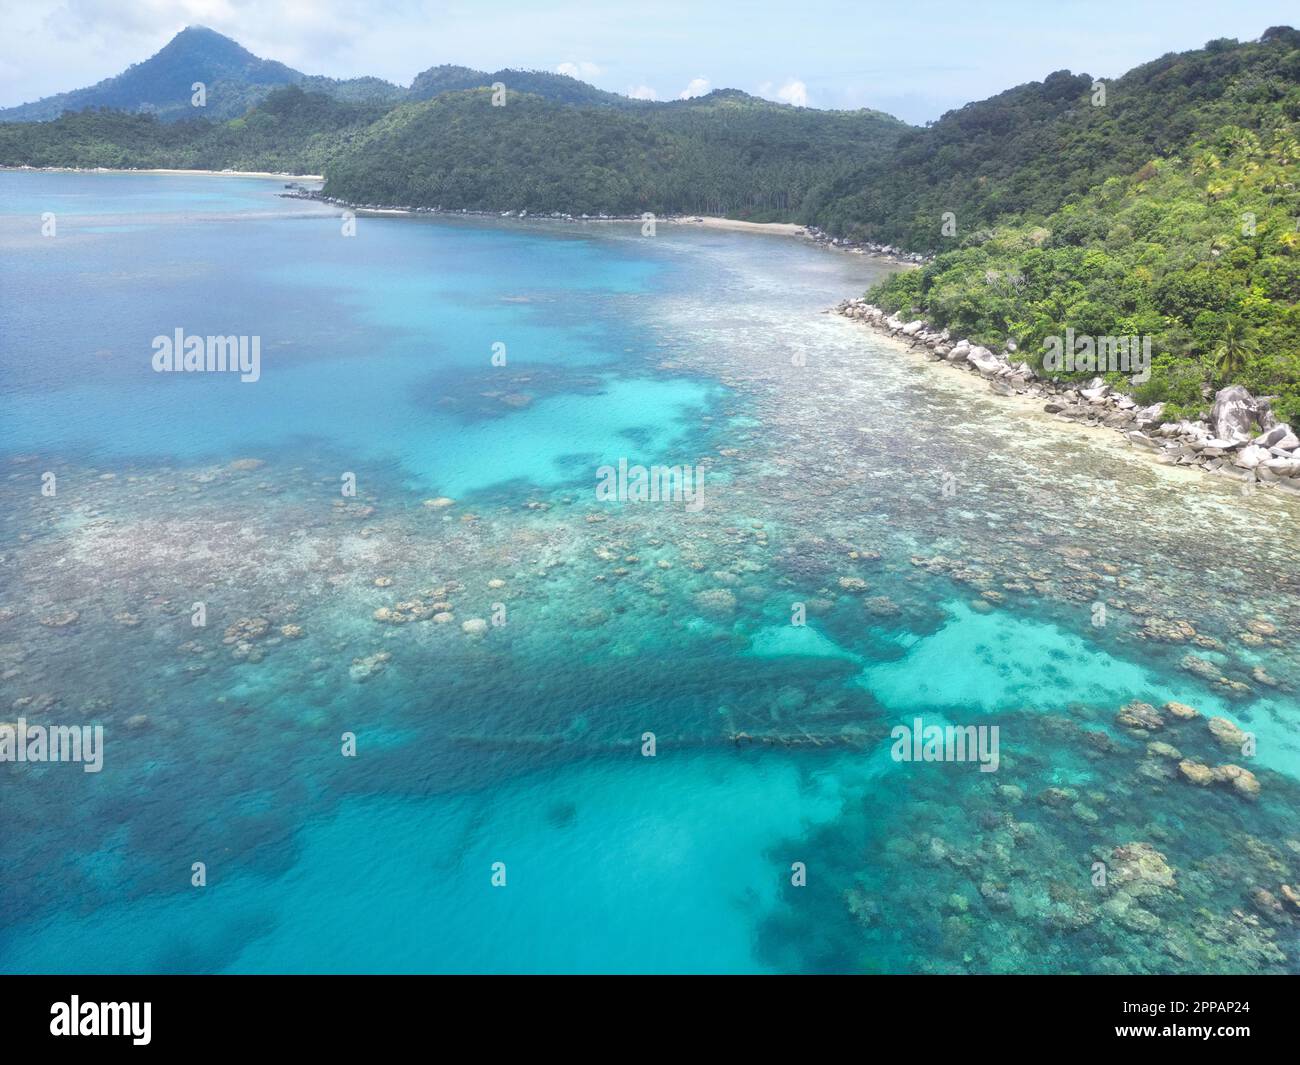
1251,456
1235,413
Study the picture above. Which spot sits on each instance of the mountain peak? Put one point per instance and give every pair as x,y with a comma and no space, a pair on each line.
234,79
201,40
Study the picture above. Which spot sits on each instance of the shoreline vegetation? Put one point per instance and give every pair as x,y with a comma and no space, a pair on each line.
299,191
787,229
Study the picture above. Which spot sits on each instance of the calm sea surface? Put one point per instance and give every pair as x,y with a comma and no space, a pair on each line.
498,641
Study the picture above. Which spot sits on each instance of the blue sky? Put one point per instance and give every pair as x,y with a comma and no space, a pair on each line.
915,59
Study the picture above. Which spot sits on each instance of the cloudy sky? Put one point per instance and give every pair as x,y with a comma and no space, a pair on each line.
915,59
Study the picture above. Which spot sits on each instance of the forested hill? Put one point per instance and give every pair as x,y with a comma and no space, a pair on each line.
1199,251
291,131
233,80
1017,157
725,153
560,144
557,145
1188,232
1022,154
557,87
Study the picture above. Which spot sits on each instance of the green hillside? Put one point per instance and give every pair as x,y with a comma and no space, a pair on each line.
726,153
1025,152
1197,245
1199,251
290,131
560,88
233,78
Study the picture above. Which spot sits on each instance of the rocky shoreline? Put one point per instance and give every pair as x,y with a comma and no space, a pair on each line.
1241,439
866,247
298,192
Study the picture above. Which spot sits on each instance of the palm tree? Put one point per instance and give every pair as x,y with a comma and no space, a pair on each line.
1236,345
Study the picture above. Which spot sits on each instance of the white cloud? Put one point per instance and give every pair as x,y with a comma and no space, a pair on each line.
696,87
583,69
793,92
643,92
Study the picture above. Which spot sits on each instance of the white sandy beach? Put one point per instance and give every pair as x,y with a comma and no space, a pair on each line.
788,229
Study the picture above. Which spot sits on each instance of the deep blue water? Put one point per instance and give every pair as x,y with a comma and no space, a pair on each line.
825,451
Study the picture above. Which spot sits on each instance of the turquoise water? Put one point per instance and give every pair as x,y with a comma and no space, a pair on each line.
825,452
